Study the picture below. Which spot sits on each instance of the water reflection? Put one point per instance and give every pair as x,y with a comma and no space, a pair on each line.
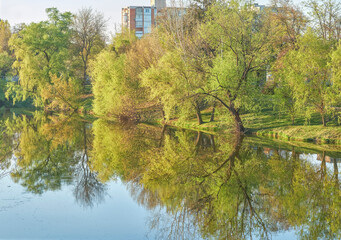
197,185
50,152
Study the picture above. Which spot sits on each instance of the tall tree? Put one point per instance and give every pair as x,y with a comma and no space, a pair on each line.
326,18
243,37
6,58
175,83
5,34
308,73
289,23
112,89
42,50
88,37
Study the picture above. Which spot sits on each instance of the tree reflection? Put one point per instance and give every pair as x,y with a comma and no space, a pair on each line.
217,188
89,189
53,151
197,185
202,186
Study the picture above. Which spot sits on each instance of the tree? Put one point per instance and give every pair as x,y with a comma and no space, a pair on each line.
175,83
41,50
6,58
326,18
5,35
243,38
116,86
289,22
88,37
335,63
109,86
307,72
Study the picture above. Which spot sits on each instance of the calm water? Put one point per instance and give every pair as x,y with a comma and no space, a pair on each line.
66,178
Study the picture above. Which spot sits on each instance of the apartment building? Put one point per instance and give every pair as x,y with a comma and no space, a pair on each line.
141,19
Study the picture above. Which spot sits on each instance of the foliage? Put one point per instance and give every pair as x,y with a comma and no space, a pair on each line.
41,49
61,94
307,74
244,39
174,83
5,34
111,88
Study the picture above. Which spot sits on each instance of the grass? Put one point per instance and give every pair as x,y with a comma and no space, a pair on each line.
268,123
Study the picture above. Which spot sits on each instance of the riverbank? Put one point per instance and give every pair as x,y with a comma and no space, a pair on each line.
264,124
269,124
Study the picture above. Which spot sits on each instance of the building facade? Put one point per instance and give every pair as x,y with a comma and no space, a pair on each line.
141,19
159,4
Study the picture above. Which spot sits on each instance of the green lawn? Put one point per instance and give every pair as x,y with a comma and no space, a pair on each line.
269,123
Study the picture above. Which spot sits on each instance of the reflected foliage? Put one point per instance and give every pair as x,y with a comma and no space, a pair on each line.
50,152
196,185
219,186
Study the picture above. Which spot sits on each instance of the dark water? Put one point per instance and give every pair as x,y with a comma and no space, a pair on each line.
68,178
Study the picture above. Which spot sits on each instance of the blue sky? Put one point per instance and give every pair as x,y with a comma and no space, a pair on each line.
18,11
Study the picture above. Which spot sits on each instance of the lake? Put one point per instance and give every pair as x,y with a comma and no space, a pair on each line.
65,177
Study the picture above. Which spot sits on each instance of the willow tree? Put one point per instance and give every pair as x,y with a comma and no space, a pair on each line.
175,84
290,23
5,34
42,50
111,87
242,36
336,80
6,58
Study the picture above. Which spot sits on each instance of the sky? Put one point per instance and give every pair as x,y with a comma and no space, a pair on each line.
27,11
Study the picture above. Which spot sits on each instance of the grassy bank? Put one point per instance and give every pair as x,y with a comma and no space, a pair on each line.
271,124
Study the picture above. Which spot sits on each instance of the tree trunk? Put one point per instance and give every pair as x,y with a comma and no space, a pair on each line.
293,120
162,135
237,120
323,120
212,142
213,112
198,142
84,77
336,174
198,113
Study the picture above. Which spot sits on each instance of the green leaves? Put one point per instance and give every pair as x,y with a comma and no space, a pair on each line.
41,49
110,86
307,74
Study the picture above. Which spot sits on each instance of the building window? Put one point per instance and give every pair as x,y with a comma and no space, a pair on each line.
139,17
139,34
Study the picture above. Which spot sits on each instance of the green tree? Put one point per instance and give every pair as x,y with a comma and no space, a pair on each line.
307,72
175,83
41,51
112,88
110,85
5,35
325,16
336,79
6,58
242,38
